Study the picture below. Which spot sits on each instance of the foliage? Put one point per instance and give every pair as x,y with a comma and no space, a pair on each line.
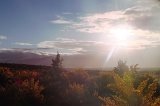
20,88
56,86
126,94
57,62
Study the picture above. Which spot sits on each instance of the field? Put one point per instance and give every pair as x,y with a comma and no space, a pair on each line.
29,85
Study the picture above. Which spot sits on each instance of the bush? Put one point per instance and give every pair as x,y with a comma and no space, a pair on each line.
127,94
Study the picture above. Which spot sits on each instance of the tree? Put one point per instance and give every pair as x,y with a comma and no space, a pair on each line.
126,93
57,62
121,68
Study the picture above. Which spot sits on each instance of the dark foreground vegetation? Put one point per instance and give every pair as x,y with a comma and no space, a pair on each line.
122,86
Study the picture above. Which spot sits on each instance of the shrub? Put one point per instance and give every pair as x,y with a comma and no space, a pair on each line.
126,94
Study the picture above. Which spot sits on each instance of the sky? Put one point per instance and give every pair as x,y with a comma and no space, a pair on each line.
87,33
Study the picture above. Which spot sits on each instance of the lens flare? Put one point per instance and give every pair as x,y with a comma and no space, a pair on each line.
121,34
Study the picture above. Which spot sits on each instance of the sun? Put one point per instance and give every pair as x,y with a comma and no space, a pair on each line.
121,34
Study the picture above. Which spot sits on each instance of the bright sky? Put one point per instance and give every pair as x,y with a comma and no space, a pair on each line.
92,33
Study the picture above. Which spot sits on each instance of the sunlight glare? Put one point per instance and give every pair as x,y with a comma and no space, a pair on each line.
121,34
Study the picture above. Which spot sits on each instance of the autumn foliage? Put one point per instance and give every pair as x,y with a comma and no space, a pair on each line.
123,86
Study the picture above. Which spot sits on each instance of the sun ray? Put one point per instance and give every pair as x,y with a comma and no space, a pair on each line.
121,37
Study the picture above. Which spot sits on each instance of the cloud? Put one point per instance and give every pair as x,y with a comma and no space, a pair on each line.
144,39
3,37
46,44
23,44
37,51
75,46
98,23
60,21
143,17
141,39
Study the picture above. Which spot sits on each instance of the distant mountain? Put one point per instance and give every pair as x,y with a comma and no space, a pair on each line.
14,66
